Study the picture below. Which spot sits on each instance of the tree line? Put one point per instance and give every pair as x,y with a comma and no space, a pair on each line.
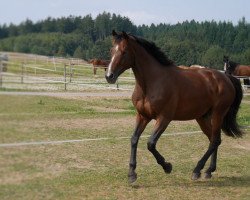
186,43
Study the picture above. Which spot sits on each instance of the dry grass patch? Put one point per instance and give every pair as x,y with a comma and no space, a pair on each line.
98,169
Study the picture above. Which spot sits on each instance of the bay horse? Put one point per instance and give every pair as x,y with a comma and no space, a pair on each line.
98,63
165,92
236,69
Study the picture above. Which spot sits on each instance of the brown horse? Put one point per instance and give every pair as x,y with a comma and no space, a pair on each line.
165,92
98,63
236,69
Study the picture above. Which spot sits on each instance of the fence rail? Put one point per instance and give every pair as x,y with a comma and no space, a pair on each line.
61,76
26,71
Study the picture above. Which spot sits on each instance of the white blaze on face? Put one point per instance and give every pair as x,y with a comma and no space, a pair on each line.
111,62
225,66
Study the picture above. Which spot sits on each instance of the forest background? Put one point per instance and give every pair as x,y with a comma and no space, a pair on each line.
190,42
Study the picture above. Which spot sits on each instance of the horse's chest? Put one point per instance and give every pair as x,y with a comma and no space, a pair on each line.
145,108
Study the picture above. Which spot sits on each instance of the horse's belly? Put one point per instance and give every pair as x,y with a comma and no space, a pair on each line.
182,116
191,110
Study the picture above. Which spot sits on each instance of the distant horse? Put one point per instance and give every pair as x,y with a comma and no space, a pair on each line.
98,63
197,66
236,69
191,67
165,92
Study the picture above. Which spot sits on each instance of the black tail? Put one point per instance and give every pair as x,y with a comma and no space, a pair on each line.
230,126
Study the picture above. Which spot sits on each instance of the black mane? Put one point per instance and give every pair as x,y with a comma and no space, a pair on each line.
153,50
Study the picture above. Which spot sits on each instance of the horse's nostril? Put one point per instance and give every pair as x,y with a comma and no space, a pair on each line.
111,76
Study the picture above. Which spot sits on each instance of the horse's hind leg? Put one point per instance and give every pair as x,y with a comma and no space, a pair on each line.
211,127
216,141
212,166
159,129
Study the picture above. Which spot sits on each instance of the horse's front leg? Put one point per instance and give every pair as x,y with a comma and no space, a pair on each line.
160,127
141,123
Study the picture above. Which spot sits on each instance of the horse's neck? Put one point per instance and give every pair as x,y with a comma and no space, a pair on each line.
146,69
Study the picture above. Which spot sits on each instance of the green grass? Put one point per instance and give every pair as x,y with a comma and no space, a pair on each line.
244,119
247,98
98,169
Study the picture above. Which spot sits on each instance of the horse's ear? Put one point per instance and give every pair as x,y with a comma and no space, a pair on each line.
225,58
125,35
114,33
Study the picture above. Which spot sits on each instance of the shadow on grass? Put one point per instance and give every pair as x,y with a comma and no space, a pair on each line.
243,181
224,181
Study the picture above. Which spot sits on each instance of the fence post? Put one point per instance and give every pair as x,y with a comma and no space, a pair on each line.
70,72
54,63
22,72
1,79
117,85
130,72
65,77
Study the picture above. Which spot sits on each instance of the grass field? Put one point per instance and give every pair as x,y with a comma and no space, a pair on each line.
98,169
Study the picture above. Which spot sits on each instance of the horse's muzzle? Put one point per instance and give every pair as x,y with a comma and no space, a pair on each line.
111,78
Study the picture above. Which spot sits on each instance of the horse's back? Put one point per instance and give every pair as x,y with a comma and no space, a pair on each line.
100,62
242,70
200,90
184,94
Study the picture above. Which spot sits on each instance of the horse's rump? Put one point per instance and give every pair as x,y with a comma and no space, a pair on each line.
242,70
201,88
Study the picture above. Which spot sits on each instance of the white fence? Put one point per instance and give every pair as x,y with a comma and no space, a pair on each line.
42,75
33,72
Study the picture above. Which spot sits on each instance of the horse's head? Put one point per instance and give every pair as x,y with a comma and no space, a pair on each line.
225,58
229,66
121,56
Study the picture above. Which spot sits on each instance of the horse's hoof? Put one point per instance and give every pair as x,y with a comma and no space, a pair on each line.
167,168
196,176
208,175
132,178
